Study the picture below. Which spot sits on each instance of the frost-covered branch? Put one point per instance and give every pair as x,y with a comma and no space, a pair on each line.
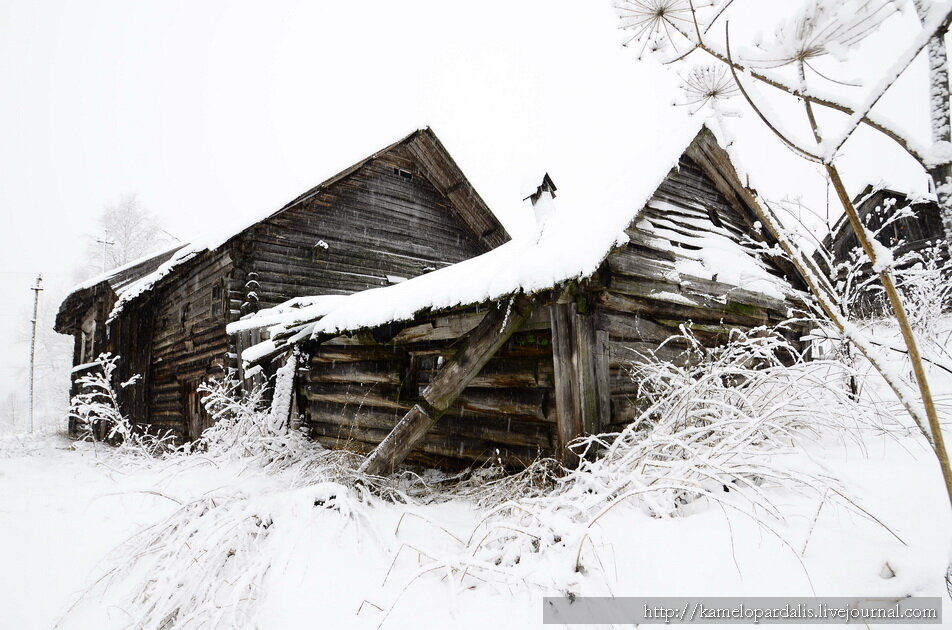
669,18
822,28
97,412
934,25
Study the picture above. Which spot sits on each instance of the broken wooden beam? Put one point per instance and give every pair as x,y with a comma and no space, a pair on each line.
487,338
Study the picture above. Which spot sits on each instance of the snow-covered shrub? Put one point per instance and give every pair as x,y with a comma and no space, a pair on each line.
207,565
96,411
723,430
246,428
926,289
719,425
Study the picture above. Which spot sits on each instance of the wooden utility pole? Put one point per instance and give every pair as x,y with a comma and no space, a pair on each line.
36,307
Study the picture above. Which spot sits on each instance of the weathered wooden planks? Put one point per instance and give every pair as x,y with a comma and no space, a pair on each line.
482,344
349,234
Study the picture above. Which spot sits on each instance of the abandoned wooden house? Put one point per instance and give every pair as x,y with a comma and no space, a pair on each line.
514,353
403,211
909,225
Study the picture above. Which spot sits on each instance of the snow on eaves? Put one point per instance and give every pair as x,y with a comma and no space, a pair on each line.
108,276
572,244
221,234
145,284
123,278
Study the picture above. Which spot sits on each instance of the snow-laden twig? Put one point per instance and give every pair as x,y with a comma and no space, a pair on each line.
97,414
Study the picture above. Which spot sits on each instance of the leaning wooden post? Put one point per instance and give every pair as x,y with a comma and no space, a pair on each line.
497,326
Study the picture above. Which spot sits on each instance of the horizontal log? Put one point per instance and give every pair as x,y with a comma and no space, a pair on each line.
632,327
441,329
387,373
625,353
733,294
523,403
627,261
469,450
332,354
383,396
622,298
512,373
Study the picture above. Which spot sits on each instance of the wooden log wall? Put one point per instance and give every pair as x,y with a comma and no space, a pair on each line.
645,299
189,342
357,388
385,219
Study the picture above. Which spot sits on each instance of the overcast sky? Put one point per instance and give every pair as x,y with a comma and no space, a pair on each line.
213,111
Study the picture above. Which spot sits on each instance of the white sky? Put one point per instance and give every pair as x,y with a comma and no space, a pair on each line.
214,110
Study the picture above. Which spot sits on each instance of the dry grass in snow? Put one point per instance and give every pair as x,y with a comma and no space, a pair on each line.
743,475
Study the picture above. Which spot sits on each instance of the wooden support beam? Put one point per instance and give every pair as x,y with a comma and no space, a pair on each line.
493,331
565,366
579,358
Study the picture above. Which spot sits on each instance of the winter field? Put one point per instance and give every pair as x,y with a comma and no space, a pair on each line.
831,497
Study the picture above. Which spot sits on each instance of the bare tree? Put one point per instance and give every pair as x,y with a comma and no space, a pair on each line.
821,29
127,231
12,412
940,115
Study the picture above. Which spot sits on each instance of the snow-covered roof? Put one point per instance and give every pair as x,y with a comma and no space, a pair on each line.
481,220
120,280
863,207
123,275
571,244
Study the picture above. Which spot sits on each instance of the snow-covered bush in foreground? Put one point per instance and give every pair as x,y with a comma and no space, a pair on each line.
718,426
927,291
96,411
207,565
724,432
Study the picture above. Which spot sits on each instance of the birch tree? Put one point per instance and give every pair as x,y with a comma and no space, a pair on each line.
678,31
940,117
127,231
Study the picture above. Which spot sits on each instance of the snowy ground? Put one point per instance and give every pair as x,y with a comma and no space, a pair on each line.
64,511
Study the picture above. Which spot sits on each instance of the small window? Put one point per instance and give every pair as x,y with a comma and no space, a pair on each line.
712,215
402,173
185,309
217,293
82,347
216,300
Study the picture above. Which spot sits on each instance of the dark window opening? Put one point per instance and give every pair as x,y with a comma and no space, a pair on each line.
712,215
184,314
402,173
216,300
